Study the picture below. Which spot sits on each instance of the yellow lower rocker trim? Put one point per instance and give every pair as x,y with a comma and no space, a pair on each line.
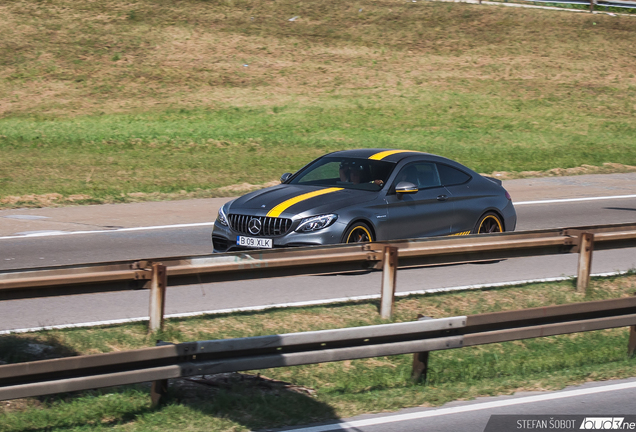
276,211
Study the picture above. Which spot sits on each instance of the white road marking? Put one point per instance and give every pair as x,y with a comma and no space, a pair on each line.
566,200
148,228
468,408
160,227
303,303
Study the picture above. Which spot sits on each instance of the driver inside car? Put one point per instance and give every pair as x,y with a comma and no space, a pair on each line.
355,173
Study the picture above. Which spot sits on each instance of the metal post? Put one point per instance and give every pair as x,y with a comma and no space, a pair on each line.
158,285
586,246
389,274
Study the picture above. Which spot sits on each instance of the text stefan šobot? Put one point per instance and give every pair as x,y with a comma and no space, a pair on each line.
505,423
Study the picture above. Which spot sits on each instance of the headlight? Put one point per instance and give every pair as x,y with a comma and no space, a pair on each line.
316,223
222,218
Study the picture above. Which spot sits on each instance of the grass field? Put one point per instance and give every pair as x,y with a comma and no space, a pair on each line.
302,394
116,101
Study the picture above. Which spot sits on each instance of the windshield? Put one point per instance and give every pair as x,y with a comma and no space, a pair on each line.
349,173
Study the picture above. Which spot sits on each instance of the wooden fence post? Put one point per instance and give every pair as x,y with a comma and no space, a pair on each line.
586,246
158,389
389,274
158,285
420,360
631,344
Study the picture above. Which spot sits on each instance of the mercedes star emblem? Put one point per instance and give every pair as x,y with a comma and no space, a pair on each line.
254,226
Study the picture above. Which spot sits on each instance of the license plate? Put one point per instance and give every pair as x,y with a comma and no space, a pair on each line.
254,242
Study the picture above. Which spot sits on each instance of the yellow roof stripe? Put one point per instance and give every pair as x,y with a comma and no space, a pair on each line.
276,211
382,155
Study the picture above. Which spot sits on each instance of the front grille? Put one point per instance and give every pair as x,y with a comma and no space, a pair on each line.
270,226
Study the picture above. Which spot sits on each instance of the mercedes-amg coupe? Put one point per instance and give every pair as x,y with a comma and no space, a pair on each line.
366,195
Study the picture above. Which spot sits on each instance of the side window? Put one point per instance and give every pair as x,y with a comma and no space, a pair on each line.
451,176
421,174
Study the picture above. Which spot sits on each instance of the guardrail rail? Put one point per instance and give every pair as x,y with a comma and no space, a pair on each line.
158,273
168,361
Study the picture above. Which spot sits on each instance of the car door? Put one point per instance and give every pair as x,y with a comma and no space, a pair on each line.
424,213
467,202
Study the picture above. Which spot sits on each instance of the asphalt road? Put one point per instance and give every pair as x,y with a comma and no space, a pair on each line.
597,399
58,236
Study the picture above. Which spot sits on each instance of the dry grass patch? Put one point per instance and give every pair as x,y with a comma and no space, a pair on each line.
117,101
117,56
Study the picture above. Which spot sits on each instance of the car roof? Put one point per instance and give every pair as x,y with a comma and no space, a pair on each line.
384,154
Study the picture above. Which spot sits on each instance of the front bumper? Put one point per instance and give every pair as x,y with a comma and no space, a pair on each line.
224,238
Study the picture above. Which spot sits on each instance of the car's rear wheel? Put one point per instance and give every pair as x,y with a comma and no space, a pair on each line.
359,232
489,223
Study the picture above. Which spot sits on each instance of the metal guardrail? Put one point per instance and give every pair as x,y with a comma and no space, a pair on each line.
217,356
256,264
591,4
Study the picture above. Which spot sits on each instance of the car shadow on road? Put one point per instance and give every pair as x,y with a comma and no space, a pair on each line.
619,208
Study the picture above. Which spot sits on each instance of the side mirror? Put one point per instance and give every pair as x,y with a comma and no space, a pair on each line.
405,188
285,177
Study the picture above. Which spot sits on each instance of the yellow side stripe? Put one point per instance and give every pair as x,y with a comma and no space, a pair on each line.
276,211
461,233
382,155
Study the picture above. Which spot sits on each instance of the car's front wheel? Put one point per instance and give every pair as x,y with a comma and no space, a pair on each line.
359,232
488,223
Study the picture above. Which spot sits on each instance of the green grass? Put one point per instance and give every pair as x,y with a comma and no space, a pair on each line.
329,390
107,158
119,101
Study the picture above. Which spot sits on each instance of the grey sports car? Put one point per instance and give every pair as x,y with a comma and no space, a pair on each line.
366,195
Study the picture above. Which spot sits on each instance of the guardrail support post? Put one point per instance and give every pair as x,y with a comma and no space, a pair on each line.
389,274
157,390
586,246
420,366
631,345
158,285
420,360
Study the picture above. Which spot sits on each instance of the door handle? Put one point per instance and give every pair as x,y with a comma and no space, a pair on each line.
442,198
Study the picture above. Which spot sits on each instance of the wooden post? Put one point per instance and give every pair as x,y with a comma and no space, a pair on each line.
389,273
157,297
631,344
591,6
158,389
586,246
420,361
420,366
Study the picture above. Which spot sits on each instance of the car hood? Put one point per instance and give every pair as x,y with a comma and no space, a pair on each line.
290,200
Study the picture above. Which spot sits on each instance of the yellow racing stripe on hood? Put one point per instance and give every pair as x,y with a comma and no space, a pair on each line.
276,211
382,155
